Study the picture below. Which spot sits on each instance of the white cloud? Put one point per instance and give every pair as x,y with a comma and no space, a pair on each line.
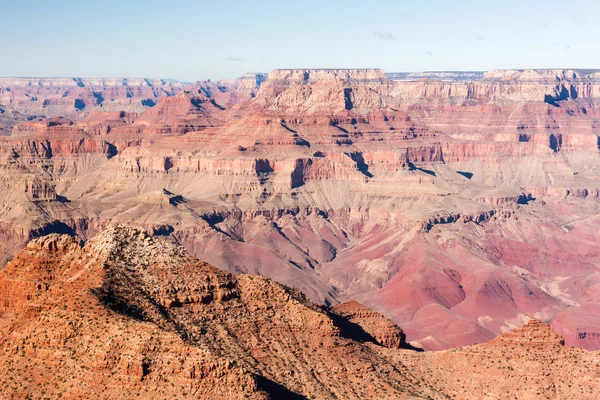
384,36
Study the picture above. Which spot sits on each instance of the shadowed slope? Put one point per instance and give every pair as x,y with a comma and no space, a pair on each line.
130,315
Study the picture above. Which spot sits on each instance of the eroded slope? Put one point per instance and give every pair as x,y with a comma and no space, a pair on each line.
128,315
459,209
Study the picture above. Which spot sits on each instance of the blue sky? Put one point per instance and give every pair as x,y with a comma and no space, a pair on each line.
196,40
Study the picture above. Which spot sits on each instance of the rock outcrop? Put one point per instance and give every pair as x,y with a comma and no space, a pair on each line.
529,362
126,315
374,326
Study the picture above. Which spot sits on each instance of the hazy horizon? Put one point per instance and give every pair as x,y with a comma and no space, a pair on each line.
190,41
300,68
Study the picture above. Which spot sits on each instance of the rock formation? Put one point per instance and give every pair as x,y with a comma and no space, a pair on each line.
374,327
458,205
53,97
530,362
126,315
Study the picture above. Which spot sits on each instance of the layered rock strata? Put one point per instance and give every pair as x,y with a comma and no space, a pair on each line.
459,209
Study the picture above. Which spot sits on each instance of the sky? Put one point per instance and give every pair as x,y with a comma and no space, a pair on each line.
192,40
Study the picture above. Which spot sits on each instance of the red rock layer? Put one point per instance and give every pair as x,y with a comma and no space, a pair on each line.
530,362
127,315
52,97
459,209
130,316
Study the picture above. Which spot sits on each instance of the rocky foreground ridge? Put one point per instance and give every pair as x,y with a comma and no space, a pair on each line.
127,316
458,208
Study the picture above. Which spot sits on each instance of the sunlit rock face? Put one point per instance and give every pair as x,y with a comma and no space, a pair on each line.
459,205
129,314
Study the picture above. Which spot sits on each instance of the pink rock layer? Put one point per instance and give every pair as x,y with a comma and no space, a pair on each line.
460,209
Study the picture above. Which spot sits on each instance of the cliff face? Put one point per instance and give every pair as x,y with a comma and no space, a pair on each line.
429,200
311,76
436,75
544,75
329,91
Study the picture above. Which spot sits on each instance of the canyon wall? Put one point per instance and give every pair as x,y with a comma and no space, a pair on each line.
458,205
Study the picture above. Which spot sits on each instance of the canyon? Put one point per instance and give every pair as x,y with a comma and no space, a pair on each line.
459,206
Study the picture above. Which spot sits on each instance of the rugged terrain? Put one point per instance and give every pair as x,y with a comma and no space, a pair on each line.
459,205
54,97
128,315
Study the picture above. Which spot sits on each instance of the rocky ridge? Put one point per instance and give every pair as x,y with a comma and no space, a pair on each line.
127,315
529,362
53,97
